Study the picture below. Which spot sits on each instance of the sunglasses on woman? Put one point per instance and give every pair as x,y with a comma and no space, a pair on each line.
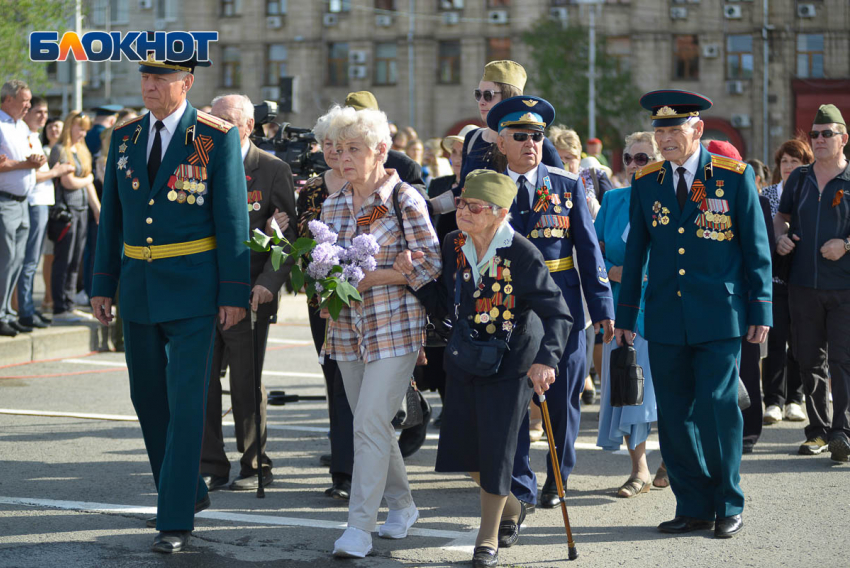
474,208
488,95
640,159
523,136
825,133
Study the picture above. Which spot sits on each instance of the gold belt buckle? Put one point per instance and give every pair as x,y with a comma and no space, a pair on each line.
146,253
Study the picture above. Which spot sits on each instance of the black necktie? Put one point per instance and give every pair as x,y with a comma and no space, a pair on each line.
155,158
522,199
681,188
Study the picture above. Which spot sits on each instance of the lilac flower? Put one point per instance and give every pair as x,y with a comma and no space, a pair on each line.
319,288
321,232
369,264
325,256
354,274
363,247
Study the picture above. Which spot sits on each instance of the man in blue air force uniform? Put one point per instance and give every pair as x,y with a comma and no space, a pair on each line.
709,284
174,204
551,211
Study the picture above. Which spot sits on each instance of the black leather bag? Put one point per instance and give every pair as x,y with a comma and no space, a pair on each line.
413,410
59,217
481,357
626,377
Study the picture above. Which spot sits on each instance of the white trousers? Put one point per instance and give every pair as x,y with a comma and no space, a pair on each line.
375,392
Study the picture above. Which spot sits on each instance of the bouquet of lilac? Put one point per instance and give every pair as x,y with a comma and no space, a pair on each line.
328,270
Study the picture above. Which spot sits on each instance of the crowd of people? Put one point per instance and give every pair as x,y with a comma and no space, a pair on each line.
533,250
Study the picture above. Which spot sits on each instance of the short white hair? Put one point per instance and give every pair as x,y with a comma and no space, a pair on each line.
320,131
243,103
369,125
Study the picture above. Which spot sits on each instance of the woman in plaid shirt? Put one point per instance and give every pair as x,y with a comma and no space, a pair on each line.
376,342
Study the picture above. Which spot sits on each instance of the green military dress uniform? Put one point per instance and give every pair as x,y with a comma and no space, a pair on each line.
709,278
176,245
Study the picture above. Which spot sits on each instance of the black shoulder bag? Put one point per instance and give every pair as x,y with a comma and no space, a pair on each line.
59,217
782,263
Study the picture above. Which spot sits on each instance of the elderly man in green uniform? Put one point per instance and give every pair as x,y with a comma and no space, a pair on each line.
174,199
709,284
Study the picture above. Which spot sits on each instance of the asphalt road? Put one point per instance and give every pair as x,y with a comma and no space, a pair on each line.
74,491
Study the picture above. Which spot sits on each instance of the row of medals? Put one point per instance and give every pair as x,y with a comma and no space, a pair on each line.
548,232
490,317
192,187
713,234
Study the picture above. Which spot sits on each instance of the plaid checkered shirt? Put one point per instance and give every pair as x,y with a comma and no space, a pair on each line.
389,321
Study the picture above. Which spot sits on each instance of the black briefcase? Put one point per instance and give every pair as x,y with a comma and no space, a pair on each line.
626,377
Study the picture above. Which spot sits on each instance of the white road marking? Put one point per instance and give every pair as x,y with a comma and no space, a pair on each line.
110,508
290,341
123,364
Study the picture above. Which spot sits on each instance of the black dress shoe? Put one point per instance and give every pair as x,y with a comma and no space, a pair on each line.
325,460
170,541
680,525
34,321
199,506
484,556
246,482
728,527
509,530
341,488
748,446
7,330
549,495
215,482
588,396
18,326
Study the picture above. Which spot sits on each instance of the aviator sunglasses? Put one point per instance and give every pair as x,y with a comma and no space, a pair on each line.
640,159
488,95
523,136
825,133
474,208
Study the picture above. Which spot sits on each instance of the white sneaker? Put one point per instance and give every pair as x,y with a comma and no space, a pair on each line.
794,412
66,317
772,414
354,543
398,522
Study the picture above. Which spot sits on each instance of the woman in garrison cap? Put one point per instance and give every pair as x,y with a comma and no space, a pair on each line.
483,410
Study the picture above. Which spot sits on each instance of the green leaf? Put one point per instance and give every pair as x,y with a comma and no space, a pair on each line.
255,246
342,292
277,256
347,292
261,238
337,269
303,246
297,278
334,306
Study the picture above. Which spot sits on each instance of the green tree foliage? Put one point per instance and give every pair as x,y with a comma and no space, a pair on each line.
17,19
559,58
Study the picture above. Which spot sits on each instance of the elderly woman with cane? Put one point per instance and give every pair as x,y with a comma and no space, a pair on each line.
510,327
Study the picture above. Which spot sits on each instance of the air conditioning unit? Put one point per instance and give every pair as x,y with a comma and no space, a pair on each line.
711,50
559,14
270,93
805,10
357,57
357,72
274,22
330,20
497,17
451,18
678,13
383,20
451,4
732,12
741,120
734,87
145,4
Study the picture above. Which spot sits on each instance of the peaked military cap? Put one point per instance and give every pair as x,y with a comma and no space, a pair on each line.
828,114
508,72
361,100
107,110
673,107
523,111
151,65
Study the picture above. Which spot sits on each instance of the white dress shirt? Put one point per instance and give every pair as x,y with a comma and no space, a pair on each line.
43,193
171,121
14,142
690,165
530,181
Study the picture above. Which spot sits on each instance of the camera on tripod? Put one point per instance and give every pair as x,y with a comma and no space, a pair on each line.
290,144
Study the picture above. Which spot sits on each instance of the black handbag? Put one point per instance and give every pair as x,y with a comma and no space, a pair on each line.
412,412
626,377
59,217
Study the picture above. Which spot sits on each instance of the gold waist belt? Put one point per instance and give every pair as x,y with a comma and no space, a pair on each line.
168,251
560,264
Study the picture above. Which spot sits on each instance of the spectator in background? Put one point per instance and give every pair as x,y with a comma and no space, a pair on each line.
104,118
17,180
415,150
568,144
817,204
762,173
594,150
40,199
433,160
781,382
400,140
411,133
50,133
125,115
76,189
49,137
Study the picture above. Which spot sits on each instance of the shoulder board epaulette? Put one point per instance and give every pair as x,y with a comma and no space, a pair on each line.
214,121
129,122
561,172
728,164
649,168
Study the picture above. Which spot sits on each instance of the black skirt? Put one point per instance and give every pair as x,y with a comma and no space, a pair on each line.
480,425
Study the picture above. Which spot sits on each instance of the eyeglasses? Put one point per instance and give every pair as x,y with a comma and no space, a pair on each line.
474,208
523,136
641,159
488,95
825,133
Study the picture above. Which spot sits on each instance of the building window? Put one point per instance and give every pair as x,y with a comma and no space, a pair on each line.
275,7
230,71
739,57
498,3
620,49
451,4
336,6
167,9
386,72
810,55
385,4
498,48
231,8
117,10
275,63
685,57
448,63
338,64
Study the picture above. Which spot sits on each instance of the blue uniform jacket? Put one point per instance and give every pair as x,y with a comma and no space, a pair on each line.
569,217
701,286
139,213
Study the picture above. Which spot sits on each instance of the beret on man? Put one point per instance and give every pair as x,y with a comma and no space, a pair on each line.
829,114
508,72
491,187
361,100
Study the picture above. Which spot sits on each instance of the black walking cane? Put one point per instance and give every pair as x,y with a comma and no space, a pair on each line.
258,399
556,466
